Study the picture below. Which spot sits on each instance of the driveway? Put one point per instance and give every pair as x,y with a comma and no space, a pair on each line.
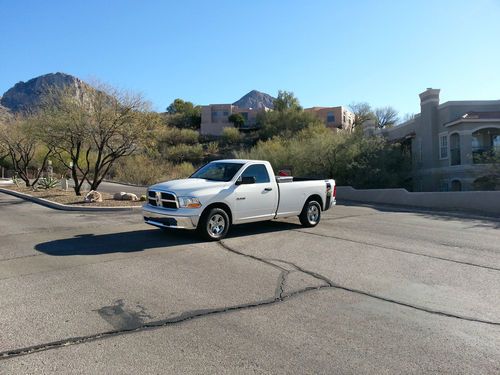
369,290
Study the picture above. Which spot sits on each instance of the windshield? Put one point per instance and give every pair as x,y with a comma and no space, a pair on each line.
217,171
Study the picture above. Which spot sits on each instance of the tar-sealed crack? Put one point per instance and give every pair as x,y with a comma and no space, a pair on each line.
278,297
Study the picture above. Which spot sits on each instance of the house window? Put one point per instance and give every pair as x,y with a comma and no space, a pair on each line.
443,146
455,158
226,113
344,118
330,117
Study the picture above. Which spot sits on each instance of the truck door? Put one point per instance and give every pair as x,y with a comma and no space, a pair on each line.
258,201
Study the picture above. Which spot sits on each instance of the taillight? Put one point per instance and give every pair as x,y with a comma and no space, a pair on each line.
335,191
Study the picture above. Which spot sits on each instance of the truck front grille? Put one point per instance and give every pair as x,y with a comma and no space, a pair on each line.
162,199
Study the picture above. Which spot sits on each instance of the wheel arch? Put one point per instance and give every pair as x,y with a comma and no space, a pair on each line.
220,205
315,197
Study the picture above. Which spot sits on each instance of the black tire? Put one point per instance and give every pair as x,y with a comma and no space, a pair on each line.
214,225
311,214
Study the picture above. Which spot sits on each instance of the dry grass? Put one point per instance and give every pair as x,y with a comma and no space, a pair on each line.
68,197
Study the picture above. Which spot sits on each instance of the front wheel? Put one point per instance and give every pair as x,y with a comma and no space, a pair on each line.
214,225
311,214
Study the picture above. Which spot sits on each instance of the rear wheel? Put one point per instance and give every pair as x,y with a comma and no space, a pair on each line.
214,225
311,214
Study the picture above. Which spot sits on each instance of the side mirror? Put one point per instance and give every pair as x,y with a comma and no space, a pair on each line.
246,180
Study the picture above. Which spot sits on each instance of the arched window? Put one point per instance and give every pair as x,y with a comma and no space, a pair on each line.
455,149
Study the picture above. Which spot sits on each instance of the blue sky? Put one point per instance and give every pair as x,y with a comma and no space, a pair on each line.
326,52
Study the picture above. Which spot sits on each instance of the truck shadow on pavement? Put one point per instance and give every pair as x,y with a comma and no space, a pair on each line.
141,240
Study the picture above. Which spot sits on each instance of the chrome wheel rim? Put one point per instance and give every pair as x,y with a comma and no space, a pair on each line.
216,225
313,214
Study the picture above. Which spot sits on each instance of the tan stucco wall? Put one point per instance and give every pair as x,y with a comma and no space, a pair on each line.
338,112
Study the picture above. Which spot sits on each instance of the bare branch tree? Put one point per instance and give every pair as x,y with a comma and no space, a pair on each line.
386,116
89,132
362,113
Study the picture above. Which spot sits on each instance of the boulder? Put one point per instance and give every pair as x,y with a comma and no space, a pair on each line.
119,196
93,196
129,197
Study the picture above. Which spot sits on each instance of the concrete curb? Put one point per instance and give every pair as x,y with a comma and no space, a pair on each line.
64,207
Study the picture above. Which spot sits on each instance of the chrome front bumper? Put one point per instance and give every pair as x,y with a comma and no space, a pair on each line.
163,218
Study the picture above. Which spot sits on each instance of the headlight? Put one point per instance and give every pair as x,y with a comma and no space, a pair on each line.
189,202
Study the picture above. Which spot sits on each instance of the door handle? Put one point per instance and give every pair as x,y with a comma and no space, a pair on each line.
268,189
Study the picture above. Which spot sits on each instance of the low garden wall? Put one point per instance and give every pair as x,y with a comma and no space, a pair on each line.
473,201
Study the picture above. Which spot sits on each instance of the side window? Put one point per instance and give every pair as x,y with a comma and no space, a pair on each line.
258,171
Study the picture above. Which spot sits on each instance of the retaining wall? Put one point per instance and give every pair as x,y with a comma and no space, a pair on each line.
473,201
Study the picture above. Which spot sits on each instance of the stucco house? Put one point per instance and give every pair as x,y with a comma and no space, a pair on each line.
451,144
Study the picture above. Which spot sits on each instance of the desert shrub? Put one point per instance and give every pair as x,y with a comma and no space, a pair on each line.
231,135
183,152
175,136
351,159
286,123
141,170
138,169
212,148
182,170
48,183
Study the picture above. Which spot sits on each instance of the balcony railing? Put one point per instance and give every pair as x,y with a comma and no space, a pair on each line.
486,155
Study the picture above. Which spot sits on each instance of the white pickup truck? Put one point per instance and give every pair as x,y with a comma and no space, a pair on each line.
227,192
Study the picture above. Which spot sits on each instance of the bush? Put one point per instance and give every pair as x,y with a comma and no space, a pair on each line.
231,135
212,148
182,152
175,136
350,159
287,123
141,170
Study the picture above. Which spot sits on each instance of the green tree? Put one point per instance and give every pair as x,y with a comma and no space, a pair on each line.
286,101
183,114
179,106
22,146
237,119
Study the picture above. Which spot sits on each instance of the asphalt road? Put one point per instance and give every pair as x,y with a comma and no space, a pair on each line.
369,290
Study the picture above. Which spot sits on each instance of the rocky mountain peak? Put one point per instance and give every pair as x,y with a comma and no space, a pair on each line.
255,99
25,96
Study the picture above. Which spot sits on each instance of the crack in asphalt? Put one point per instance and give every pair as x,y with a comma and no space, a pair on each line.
399,250
279,296
332,284
280,289
185,316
